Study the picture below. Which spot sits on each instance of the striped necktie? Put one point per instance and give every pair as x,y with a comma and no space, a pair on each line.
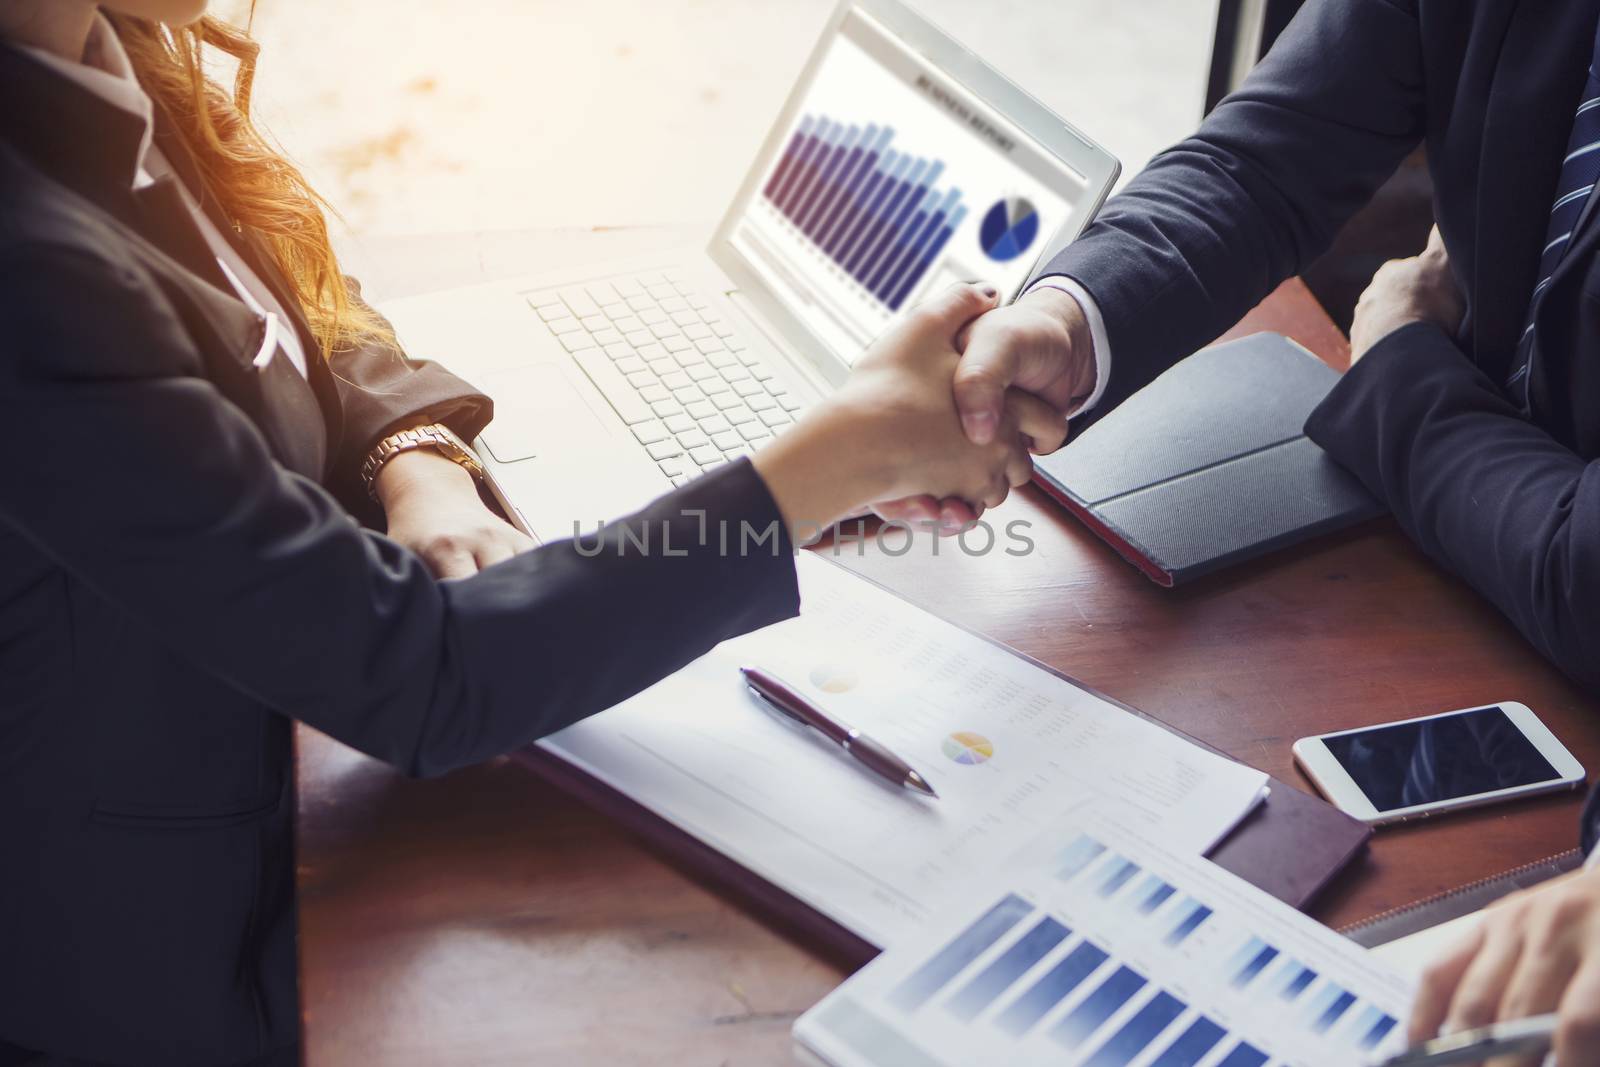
1580,169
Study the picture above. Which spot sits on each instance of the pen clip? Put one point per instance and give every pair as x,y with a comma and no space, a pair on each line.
783,713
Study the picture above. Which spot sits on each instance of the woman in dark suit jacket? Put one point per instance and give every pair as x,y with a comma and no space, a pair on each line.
191,391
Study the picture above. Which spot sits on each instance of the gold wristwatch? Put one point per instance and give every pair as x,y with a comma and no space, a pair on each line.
437,437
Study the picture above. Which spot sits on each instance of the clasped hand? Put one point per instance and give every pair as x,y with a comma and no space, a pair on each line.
1035,356
893,429
1041,345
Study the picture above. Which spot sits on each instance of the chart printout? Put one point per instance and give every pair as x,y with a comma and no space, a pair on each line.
1103,949
1008,746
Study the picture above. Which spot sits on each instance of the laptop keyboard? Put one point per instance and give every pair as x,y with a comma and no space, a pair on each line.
686,384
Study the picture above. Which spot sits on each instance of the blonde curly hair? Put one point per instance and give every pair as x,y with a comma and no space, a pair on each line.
257,187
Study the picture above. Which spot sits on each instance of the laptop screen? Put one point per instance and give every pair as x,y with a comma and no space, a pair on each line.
892,182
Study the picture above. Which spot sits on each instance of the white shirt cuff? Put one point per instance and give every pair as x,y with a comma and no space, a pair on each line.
1097,334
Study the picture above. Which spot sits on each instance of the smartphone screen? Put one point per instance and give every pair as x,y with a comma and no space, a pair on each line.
1452,756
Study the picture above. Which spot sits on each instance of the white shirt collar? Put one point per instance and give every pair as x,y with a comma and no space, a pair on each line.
106,72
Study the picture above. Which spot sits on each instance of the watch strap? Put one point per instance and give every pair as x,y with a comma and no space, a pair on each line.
437,436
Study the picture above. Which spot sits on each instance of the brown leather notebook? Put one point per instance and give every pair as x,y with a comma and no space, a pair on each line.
1454,903
1291,846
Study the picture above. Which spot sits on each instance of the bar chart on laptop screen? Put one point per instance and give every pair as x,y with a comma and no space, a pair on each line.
876,213
890,182
1112,964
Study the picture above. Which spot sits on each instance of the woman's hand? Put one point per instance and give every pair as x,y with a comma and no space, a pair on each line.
1041,345
1419,289
433,509
893,430
1535,952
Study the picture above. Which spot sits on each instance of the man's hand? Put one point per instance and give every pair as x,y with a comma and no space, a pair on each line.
1039,345
433,509
1535,952
892,427
1419,289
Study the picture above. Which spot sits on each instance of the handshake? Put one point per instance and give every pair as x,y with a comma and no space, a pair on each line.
940,416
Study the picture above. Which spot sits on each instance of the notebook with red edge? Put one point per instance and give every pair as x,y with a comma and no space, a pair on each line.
1209,465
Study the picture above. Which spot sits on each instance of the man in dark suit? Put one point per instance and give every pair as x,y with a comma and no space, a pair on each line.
1473,409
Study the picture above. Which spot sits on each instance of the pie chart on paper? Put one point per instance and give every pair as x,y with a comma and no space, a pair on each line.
834,678
969,748
1008,228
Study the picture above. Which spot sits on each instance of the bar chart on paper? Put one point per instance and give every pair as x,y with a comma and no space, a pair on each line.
1108,961
878,213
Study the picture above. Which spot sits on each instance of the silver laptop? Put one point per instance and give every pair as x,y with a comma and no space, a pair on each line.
900,164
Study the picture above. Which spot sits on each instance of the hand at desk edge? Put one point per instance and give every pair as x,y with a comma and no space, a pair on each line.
1535,952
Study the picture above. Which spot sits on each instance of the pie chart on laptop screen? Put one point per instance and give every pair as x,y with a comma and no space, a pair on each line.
1008,228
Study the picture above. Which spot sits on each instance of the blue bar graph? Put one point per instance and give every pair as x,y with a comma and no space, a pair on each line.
1078,855
1137,1033
805,165
861,255
920,986
1151,894
1364,1022
1244,1054
826,163
1378,1031
1190,1048
1020,971
894,240
1336,1009
1326,1007
928,251
868,193
1293,979
1251,960
795,158
1011,964
858,169
829,177
1056,985
1190,916
1117,874
870,209
864,231
903,269
1076,1026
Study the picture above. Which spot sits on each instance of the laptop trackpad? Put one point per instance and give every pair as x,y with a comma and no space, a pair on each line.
538,412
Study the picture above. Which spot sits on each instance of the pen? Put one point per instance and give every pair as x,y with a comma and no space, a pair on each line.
869,753
1519,1036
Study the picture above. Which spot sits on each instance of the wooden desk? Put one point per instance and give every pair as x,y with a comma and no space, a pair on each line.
486,918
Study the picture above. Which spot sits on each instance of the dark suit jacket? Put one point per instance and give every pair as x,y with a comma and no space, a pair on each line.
176,582
1510,504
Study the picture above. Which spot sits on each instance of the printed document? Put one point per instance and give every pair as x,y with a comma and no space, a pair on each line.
1008,746
1101,947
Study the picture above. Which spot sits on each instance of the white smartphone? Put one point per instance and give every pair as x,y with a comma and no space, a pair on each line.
1419,767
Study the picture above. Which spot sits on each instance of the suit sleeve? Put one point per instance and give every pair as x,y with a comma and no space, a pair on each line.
158,495
1213,224
380,387
1480,489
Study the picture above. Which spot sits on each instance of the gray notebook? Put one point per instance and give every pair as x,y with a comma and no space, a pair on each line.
1209,465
